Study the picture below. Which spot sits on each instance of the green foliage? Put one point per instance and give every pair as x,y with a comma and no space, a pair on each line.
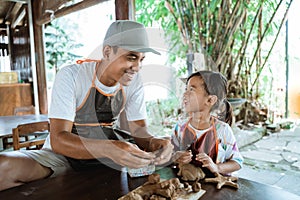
154,12
169,106
60,42
162,115
236,37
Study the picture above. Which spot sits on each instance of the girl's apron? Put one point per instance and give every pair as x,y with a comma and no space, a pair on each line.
207,143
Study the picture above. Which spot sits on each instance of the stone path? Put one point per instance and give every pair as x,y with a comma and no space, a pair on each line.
274,160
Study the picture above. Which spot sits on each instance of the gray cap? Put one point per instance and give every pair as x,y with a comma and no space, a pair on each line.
129,35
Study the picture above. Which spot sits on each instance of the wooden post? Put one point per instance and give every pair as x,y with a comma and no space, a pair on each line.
122,9
40,57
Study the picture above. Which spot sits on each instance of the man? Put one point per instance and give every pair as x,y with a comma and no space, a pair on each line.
86,101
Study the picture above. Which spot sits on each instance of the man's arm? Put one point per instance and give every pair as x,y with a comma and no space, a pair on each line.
139,131
71,145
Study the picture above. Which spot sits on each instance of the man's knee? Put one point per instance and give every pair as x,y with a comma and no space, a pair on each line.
7,178
6,164
11,166
16,168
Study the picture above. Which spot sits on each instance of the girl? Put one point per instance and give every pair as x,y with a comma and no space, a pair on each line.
205,139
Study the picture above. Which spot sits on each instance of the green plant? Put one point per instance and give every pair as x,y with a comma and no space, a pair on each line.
152,12
60,43
162,115
235,37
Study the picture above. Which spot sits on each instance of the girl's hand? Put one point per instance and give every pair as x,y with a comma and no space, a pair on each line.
183,157
207,162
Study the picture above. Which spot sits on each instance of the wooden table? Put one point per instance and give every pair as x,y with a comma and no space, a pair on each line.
110,184
7,123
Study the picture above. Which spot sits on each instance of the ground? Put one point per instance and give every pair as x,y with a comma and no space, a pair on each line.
274,160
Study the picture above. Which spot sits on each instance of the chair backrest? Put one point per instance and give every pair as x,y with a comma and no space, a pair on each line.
37,130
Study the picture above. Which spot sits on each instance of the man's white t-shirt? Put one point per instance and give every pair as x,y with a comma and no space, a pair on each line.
72,83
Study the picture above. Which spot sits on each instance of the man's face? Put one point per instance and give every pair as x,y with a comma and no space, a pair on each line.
124,65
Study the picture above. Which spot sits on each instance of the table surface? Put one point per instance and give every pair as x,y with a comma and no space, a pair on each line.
7,123
109,184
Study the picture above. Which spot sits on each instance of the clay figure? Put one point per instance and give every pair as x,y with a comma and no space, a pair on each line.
189,172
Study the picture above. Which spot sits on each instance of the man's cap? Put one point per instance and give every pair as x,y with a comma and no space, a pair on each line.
129,35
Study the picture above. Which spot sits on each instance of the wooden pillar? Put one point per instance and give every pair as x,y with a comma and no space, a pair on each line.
122,9
40,57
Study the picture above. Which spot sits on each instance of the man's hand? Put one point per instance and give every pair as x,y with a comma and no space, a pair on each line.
162,148
129,155
183,157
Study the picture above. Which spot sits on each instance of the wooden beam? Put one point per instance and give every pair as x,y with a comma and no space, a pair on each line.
40,63
53,5
67,10
12,11
121,9
21,1
18,18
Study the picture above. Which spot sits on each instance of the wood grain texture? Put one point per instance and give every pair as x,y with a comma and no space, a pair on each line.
14,95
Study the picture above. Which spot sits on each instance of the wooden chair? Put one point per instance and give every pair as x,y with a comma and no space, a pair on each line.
23,110
36,133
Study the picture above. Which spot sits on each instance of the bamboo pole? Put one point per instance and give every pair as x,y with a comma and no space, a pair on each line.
248,38
266,29
269,53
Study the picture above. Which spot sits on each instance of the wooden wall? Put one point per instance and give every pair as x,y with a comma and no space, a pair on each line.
20,56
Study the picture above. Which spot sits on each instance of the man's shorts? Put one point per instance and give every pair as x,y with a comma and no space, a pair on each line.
58,163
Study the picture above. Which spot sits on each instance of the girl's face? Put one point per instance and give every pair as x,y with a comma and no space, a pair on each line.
195,98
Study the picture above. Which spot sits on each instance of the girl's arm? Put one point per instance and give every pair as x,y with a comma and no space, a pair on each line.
228,167
221,168
228,150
